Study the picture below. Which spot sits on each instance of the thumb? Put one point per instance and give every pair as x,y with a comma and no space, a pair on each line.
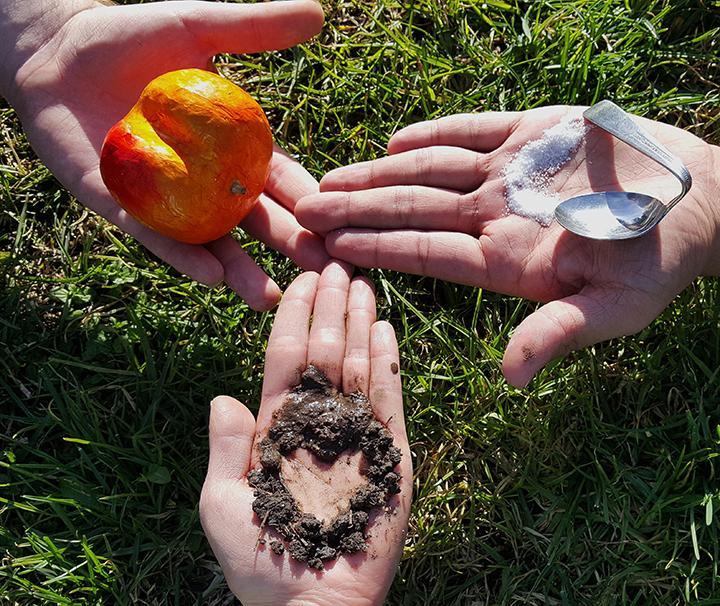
249,28
568,324
232,432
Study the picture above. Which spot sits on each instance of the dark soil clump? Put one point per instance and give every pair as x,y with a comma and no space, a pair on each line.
327,423
277,547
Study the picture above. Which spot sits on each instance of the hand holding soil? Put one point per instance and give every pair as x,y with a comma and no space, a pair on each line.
457,199
331,491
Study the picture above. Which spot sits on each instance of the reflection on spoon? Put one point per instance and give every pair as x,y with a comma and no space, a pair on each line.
612,215
619,215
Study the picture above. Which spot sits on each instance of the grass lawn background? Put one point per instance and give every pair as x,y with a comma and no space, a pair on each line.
596,485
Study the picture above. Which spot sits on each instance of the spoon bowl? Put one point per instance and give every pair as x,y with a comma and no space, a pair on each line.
620,215
610,215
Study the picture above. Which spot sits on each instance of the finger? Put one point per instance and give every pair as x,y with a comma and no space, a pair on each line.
245,28
244,276
232,431
360,317
194,261
288,181
385,384
449,256
279,229
286,355
409,207
568,324
439,166
387,403
326,347
479,132
209,264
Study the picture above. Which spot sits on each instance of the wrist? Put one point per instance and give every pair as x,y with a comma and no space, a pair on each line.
25,27
319,596
334,600
712,196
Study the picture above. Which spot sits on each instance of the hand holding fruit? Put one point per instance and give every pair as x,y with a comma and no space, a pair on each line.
81,68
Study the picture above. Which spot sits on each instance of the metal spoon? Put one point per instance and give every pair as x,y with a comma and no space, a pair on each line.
619,215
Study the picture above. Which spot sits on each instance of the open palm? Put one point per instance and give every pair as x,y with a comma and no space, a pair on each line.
355,353
91,72
436,206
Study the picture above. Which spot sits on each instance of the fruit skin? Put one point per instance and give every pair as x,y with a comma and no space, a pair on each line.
191,157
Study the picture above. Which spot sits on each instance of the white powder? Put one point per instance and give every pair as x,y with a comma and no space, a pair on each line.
528,175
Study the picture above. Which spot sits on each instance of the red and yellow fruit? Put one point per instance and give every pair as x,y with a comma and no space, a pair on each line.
191,157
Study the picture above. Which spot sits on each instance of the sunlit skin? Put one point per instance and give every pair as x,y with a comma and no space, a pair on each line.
327,320
436,206
73,68
190,158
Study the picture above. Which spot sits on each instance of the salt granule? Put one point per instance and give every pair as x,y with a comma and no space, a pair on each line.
528,175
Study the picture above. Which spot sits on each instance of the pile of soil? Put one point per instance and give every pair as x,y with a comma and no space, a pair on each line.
327,423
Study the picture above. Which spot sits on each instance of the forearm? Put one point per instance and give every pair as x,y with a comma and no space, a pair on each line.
25,26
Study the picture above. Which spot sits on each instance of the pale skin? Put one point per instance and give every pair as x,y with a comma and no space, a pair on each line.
72,68
327,320
436,206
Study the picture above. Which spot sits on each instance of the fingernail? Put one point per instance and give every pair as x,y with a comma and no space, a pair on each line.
382,333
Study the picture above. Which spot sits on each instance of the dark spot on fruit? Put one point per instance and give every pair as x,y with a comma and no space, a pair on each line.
237,188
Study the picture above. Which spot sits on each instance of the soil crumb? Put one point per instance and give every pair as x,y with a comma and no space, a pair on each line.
327,423
528,353
277,547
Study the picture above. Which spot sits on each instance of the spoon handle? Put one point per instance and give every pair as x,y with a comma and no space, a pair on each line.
618,122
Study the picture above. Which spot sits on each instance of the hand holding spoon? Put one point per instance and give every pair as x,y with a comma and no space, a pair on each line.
619,215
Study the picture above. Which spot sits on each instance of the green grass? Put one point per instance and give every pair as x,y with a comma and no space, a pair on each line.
595,486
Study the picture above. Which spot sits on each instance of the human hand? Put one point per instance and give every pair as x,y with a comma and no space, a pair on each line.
355,353
436,206
78,75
